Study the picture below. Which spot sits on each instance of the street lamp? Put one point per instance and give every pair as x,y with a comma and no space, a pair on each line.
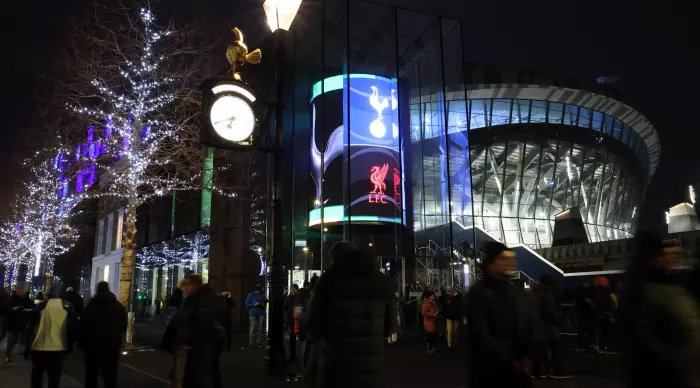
280,14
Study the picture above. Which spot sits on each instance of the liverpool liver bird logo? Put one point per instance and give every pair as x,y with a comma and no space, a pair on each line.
378,174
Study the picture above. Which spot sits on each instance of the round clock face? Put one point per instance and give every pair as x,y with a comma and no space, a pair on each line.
232,118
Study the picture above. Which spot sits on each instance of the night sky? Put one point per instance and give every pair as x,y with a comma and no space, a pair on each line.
647,44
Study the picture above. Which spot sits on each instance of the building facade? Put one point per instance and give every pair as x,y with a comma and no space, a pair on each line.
394,141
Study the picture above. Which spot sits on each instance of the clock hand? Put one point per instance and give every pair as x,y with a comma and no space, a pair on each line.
229,120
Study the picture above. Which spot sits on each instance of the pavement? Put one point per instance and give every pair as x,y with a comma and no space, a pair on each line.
407,366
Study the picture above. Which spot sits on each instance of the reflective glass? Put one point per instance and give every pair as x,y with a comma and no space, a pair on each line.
607,125
556,111
479,113
626,134
521,111
584,119
597,122
501,112
617,130
539,112
571,115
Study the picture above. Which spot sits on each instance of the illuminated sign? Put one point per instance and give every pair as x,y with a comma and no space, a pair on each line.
377,176
355,150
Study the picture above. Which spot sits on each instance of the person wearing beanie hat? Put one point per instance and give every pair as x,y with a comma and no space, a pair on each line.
499,355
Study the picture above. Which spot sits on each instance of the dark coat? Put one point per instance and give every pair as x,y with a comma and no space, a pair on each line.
494,335
17,320
352,310
453,308
102,324
602,300
662,334
546,313
5,302
76,300
199,327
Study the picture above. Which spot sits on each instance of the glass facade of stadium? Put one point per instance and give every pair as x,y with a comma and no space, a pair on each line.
394,142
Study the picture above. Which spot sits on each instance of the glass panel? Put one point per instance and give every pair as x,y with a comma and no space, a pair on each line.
539,112
571,115
556,110
584,118
607,125
529,186
597,121
617,130
562,192
479,113
626,134
521,111
501,112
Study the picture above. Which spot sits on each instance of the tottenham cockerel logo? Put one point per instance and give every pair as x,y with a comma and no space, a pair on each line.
377,177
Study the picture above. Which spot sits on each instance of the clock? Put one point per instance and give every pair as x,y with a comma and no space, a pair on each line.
232,117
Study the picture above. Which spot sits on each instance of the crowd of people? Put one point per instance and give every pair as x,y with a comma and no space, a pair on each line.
338,324
49,326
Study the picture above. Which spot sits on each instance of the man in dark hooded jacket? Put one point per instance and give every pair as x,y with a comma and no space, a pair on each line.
352,311
102,324
498,353
661,321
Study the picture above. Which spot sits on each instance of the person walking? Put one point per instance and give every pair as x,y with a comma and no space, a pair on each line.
431,314
256,303
19,315
102,325
230,304
51,332
75,299
198,332
297,306
547,362
661,320
604,313
352,311
222,323
498,355
584,317
5,308
453,313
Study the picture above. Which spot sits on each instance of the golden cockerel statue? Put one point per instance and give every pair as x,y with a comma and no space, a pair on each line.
238,53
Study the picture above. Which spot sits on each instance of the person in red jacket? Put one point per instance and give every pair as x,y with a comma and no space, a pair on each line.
431,312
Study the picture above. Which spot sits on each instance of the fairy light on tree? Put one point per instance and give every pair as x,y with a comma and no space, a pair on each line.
42,227
691,192
147,126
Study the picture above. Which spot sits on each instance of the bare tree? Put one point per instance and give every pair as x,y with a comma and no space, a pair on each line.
136,86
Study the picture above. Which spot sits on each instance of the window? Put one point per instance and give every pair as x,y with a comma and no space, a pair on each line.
501,112
571,115
597,121
105,275
120,225
607,125
521,111
479,113
539,112
98,276
584,118
617,130
555,113
100,236
110,229
114,283
626,134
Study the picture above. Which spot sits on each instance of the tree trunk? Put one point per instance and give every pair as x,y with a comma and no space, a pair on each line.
128,260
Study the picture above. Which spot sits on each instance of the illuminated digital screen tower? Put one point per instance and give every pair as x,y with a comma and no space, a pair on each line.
366,187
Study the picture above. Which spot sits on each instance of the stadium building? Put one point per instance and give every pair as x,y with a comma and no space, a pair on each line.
396,142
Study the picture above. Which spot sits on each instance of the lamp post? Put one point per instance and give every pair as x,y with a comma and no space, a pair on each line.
280,14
